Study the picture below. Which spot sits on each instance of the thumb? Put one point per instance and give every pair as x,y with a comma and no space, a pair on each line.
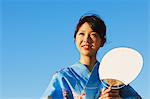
102,91
106,90
83,94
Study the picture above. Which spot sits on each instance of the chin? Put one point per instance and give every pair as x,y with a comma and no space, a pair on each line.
87,54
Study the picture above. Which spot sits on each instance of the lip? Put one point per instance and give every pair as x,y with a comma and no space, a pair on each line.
86,47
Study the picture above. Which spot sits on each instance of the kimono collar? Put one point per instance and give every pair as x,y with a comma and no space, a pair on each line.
83,71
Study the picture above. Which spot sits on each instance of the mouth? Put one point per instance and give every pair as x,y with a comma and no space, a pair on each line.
86,47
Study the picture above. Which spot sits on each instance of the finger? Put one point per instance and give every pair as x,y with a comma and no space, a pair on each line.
83,94
109,96
114,94
102,91
107,90
110,87
109,93
105,96
114,90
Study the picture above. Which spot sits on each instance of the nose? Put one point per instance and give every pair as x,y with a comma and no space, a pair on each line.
87,39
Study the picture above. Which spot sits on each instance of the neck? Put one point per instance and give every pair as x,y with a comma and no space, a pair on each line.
88,61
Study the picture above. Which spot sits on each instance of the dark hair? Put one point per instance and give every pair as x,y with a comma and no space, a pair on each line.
96,23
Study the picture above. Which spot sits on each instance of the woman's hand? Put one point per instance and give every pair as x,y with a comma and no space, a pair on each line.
75,96
109,94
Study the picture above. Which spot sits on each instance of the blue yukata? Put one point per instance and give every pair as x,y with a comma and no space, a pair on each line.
76,80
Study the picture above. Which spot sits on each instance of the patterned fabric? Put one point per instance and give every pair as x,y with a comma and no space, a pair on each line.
76,81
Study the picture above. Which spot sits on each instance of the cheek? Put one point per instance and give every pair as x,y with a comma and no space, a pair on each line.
77,42
97,44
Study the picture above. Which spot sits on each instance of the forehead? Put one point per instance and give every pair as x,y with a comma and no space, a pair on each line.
85,27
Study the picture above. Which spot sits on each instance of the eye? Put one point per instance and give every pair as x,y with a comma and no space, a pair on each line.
81,33
94,34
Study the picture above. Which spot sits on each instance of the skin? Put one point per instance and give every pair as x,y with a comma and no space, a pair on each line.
88,43
109,94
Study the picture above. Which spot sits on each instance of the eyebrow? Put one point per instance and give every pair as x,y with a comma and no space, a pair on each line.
84,31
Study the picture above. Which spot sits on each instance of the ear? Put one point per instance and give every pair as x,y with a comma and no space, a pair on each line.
103,42
74,39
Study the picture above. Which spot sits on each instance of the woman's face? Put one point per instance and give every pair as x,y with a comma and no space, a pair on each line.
87,41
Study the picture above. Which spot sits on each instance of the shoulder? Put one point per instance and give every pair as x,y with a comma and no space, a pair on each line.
128,91
64,72
64,78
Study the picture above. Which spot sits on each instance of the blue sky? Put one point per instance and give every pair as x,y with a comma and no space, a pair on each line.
37,40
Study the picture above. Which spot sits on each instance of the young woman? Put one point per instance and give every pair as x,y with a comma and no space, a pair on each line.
81,80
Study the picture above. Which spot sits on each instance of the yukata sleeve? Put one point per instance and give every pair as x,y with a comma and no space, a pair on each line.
54,90
129,93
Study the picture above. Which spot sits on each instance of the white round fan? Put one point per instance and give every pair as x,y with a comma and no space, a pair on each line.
119,67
